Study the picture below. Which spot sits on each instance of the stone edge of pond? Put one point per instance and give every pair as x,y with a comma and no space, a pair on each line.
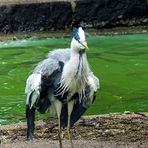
67,33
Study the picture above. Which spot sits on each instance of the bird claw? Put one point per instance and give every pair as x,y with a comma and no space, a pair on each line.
30,137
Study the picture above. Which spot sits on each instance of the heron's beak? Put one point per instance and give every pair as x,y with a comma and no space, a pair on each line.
85,45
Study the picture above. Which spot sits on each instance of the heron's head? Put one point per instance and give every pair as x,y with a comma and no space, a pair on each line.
79,41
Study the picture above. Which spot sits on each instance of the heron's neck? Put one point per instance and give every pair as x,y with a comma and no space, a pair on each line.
76,57
78,60
75,72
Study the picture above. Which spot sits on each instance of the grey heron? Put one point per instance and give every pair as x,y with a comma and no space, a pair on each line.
62,83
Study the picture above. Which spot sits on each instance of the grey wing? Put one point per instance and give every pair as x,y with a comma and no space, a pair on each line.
60,54
44,76
36,82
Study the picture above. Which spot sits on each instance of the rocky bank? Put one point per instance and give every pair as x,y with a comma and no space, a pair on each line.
50,15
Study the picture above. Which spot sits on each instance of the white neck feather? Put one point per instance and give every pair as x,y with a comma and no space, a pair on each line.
75,74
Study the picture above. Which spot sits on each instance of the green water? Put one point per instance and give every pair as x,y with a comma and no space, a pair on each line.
120,62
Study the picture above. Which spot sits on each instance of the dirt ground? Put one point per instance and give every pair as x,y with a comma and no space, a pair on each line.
77,144
127,130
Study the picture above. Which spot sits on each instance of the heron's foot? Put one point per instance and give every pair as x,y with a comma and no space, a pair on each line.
72,146
60,138
30,136
60,144
69,134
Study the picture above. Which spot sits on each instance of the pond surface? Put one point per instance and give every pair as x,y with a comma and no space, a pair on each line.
120,62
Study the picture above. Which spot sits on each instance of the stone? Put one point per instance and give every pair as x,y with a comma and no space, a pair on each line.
58,15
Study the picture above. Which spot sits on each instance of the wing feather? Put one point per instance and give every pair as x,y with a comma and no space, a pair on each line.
44,77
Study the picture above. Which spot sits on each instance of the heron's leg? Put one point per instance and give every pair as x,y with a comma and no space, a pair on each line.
58,107
30,115
70,108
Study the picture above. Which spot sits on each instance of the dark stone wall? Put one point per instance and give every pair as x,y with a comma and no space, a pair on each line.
34,17
58,15
107,13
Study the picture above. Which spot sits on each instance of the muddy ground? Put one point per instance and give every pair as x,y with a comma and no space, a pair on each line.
128,130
